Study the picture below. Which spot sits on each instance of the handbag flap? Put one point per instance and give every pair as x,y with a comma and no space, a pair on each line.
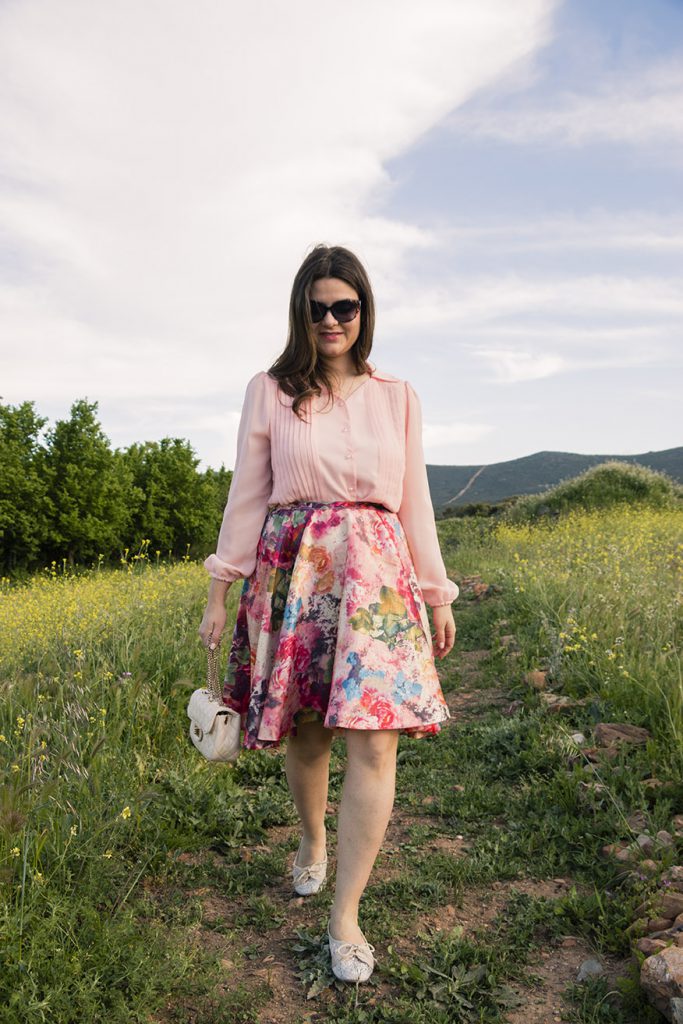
202,710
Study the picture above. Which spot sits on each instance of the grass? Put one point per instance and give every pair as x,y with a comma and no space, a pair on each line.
115,836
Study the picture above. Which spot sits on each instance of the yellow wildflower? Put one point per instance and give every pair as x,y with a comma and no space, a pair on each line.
126,812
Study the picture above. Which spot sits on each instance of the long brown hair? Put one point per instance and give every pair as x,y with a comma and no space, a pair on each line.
298,369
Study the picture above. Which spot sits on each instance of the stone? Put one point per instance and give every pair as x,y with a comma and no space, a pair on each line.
590,969
610,734
557,701
676,1008
664,838
669,904
638,821
646,843
626,855
661,977
649,946
598,754
674,874
677,824
648,866
658,924
536,679
578,738
568,942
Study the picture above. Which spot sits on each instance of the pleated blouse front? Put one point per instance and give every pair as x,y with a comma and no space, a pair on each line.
367,447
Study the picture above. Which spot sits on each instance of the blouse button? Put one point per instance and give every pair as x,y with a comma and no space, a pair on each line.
345,430
349,454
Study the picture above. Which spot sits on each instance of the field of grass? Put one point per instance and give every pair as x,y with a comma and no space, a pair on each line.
141,883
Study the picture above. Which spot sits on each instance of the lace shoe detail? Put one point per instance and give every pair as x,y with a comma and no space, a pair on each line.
351,961
308,878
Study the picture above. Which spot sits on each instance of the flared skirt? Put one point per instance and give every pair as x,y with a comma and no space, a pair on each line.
332,626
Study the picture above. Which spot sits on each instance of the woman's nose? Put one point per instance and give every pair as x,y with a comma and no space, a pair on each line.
329,318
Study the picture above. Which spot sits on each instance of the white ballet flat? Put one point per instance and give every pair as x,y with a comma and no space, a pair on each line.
351,961
308,878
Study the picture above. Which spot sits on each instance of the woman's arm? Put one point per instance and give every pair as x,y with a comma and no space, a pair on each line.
250,489
417,514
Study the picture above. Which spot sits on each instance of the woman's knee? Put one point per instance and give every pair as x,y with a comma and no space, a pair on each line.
311,742
372,749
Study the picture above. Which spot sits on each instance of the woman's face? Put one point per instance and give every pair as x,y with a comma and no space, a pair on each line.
334,340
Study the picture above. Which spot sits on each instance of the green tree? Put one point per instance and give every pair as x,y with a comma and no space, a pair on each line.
177,511
24,505
90,486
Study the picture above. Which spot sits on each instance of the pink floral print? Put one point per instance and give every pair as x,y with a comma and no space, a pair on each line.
332,626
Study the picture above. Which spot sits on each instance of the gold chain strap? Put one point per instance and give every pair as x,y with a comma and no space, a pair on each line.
212,684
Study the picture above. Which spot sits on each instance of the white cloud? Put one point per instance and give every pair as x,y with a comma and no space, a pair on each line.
635,106
474,302
511,367
170,163
598,231
441,439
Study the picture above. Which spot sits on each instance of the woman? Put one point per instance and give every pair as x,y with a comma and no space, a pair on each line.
330,524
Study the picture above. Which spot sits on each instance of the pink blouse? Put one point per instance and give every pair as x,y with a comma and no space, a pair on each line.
365,448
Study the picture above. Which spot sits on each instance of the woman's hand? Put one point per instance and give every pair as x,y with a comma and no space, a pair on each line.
444,630
215,615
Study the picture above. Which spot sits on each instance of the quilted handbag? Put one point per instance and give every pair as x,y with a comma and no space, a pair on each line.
214,728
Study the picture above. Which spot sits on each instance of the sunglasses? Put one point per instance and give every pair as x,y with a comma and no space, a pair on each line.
343,311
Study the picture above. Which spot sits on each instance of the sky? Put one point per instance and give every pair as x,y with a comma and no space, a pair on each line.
510,174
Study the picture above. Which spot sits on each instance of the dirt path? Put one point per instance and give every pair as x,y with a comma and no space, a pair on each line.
465,489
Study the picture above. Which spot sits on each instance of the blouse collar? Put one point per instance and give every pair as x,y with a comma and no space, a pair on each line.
380,375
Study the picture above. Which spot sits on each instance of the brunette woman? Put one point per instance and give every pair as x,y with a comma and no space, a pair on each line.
329,524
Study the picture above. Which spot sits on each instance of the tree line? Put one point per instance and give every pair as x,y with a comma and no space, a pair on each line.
68,495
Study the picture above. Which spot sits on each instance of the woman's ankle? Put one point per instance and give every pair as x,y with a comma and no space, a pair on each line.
342,920
313,848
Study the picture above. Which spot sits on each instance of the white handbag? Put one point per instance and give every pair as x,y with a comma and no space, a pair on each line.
214,728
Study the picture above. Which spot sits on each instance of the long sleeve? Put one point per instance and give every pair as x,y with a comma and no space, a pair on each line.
250,489
417,514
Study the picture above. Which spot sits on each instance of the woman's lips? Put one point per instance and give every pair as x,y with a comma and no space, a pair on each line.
330,337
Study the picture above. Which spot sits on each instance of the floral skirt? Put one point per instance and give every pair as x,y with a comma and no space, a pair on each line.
332,627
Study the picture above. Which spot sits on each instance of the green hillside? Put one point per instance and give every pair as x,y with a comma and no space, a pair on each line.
462,485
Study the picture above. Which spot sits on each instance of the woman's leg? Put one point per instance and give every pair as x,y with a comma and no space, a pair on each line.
364,812
307,766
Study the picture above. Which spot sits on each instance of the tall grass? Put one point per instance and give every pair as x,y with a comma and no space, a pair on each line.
100,786
598,597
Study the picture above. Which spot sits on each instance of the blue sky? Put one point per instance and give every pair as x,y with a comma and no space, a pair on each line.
510,174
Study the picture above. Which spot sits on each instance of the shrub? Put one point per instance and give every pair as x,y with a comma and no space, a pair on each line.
602,486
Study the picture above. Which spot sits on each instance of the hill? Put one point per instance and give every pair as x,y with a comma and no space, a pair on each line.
462,485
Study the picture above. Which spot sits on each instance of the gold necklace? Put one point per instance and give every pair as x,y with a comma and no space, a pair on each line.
340,394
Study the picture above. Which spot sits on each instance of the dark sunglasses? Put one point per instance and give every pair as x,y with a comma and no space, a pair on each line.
343,311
